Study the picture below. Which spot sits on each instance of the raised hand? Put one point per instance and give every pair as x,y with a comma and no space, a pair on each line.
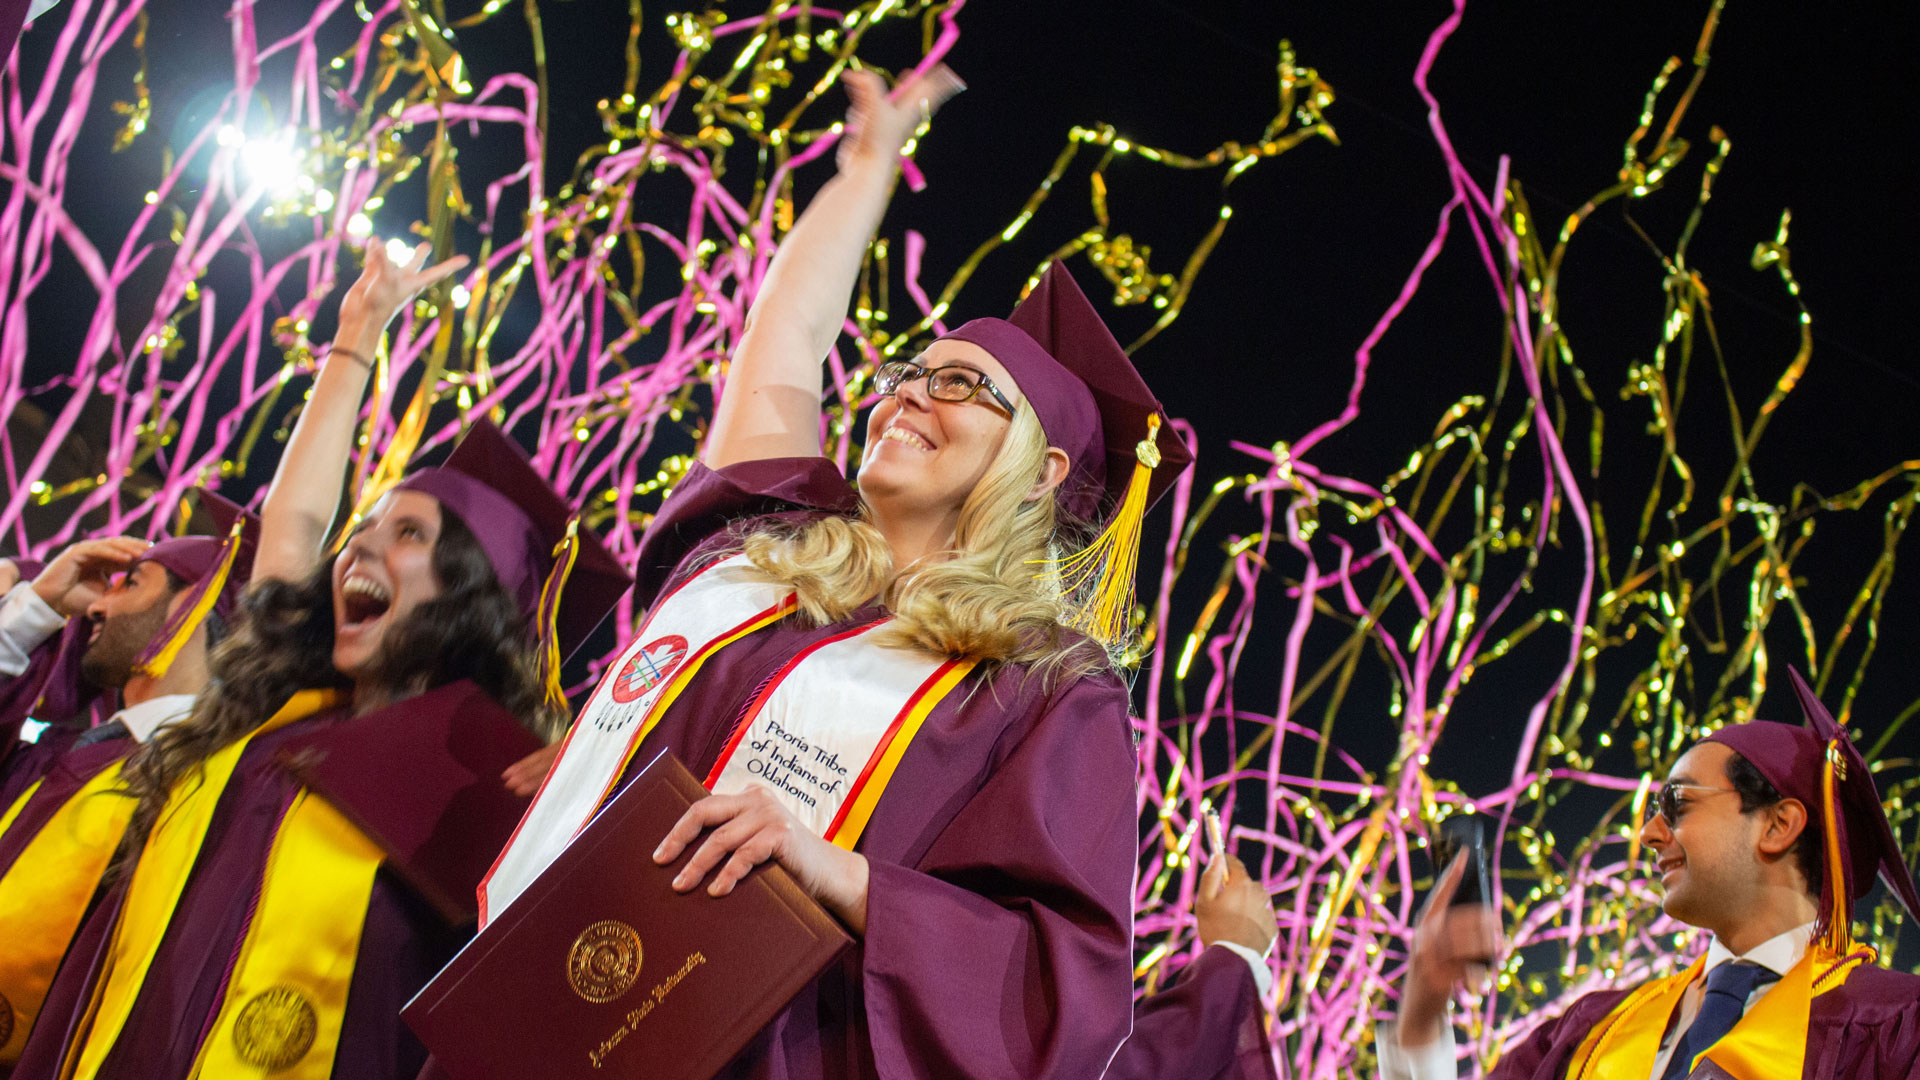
384,287
878,124
1449,944
753,827
1232,906
83,572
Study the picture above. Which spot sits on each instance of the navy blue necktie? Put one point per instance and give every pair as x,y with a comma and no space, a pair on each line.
1728,987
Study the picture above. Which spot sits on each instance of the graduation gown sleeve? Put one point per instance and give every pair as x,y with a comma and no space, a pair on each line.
50,689
1206,1026
1006,951
1867,1028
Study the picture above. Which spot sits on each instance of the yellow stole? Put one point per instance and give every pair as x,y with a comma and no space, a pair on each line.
1769,1042
166,863
45,892
287,995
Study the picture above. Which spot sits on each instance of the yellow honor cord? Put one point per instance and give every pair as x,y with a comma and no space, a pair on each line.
210,591
547,618
1103,572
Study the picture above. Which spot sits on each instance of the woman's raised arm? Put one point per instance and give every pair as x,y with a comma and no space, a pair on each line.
771,405
300,505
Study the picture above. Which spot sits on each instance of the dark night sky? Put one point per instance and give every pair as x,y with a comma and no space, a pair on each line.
1817,100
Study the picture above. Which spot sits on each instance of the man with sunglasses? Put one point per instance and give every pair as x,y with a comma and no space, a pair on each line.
1764,836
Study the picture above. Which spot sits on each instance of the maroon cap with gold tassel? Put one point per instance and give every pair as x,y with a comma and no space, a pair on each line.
1093,405
1818,765
563,578
216,569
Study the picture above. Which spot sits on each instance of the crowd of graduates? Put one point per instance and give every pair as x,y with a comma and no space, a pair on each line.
181,896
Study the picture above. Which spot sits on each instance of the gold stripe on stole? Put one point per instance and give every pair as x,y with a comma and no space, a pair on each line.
1624,1044
287,995
45,893
854,816
1769,1042
6,819
166,862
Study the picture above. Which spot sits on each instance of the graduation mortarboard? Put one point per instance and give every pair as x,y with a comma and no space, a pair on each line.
559,573
216,566
1819,765
1093,405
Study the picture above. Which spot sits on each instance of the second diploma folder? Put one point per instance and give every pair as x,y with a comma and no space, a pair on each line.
600,969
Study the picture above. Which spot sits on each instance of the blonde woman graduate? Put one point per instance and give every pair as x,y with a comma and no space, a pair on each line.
891,689
256,927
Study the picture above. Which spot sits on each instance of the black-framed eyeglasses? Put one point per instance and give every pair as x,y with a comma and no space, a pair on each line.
1666,800
954,382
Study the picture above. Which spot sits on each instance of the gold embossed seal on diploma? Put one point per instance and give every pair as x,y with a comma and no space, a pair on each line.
604,961
558,987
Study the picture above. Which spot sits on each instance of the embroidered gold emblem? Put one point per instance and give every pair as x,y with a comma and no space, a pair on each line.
604,961
275,1029
6,1020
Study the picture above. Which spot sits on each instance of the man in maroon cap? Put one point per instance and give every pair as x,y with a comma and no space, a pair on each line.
146,616
1766,834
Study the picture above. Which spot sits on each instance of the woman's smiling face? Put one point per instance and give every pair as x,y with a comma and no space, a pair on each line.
384,572
924,455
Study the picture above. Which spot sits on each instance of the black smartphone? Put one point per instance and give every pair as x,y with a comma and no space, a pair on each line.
1464,832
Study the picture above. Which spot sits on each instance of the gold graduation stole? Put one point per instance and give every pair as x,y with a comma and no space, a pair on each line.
45,893
166,862
287,995
1769,1042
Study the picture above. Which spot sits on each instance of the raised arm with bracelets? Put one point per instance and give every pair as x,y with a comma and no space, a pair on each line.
300,506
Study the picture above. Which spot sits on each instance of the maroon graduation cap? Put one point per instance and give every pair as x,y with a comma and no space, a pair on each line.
561,575
1818,765
216,568
1093,405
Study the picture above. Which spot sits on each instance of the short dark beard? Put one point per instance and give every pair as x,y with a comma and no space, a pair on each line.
108,662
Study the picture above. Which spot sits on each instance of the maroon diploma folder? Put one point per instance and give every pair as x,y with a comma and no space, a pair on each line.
600,969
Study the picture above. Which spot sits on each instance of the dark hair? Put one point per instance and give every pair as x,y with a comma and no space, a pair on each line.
282,643
1757,791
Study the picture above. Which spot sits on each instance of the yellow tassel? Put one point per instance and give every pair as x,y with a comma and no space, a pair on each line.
547,618
156,666
1103,572
1838,935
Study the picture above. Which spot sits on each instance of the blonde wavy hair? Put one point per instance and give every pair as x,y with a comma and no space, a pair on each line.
987,599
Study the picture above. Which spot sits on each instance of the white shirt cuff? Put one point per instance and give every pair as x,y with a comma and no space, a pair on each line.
1434,1061
26,622
1262,974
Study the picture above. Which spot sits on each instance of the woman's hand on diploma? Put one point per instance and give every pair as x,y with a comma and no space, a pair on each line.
753,827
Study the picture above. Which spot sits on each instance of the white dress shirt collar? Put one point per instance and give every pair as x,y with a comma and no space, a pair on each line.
1777,954
151,715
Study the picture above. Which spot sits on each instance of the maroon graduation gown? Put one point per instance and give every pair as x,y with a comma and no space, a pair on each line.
1208,1025
1866,1029
999,918
50,690
403,942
